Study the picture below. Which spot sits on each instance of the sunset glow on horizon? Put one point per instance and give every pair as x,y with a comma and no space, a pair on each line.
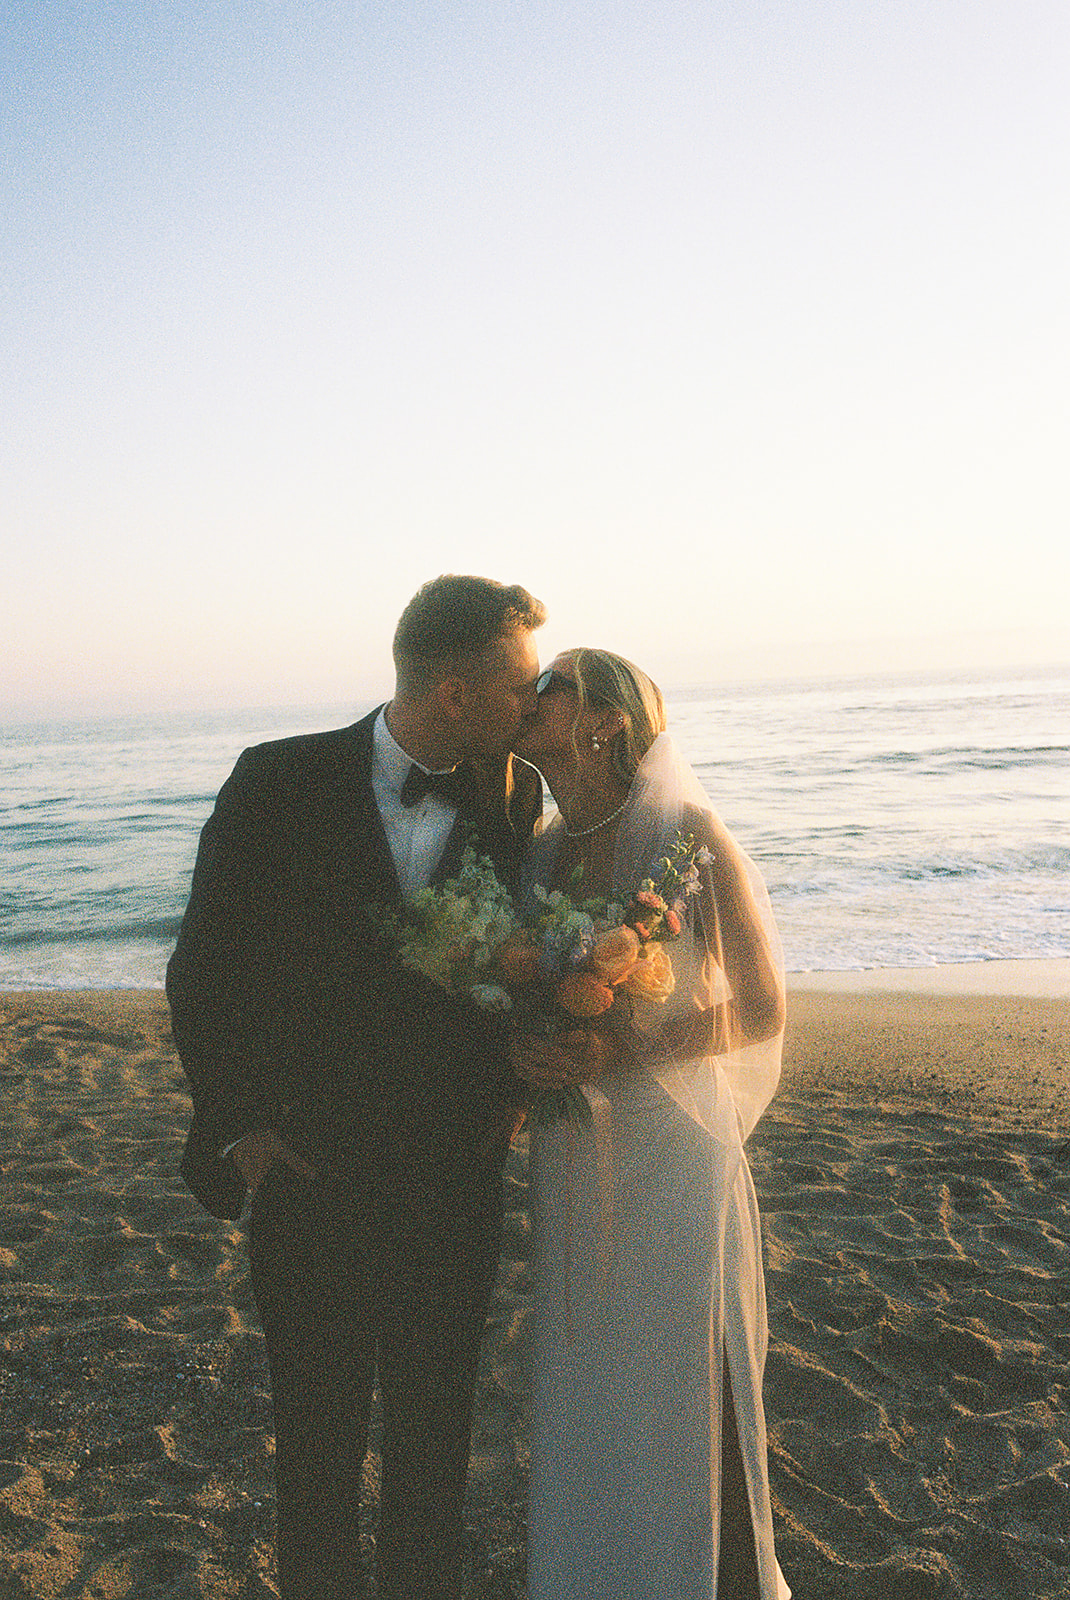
738,334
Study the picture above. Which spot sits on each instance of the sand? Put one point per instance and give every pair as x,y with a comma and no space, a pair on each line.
914,1178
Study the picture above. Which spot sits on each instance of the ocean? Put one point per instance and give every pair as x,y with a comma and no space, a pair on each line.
899,822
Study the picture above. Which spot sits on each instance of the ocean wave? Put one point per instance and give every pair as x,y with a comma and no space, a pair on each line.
969,757
152,931
897,823
823,870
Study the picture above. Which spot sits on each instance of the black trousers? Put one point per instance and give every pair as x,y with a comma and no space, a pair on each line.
348,1281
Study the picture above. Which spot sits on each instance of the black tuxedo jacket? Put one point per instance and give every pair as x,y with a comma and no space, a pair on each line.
289,1011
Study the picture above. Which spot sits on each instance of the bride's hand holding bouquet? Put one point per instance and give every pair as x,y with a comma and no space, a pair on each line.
578,973
573,974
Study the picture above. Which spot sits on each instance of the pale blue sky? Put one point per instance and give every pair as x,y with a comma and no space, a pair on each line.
738,332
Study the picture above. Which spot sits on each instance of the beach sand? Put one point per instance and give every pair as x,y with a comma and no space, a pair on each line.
914,1179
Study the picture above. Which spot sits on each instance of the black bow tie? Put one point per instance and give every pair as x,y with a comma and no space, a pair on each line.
448,786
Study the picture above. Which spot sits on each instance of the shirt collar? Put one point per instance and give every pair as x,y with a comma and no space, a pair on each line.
391,760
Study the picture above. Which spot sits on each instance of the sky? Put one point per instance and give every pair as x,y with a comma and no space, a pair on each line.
738,332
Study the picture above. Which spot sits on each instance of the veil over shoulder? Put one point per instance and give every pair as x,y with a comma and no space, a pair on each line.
667,800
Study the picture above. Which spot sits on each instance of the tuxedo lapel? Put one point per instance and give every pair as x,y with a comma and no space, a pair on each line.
349,819
449,862
474,823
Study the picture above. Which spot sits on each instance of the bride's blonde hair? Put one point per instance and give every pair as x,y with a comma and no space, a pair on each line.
605,679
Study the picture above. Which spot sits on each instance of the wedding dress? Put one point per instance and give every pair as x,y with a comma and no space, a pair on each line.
649,1285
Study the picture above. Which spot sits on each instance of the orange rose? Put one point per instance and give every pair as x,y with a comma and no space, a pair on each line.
583,995
652,976
614,955
517,959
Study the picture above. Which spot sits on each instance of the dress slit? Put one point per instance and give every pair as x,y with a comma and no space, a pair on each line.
737,1557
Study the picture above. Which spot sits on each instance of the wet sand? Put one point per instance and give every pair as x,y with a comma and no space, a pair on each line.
914,1178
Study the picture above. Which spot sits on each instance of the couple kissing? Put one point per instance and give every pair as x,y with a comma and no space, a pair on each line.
362,1106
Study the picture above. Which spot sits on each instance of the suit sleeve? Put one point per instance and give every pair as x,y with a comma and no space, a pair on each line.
222,976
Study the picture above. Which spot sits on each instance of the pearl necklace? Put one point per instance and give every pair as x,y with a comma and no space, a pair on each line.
581,833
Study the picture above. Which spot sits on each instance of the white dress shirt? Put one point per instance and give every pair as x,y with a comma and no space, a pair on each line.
416,834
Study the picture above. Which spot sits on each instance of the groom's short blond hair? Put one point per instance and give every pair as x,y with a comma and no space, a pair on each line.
452,624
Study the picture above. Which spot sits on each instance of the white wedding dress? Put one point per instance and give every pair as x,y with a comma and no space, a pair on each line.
648,1287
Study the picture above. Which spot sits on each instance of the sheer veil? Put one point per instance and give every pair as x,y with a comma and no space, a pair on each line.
666,798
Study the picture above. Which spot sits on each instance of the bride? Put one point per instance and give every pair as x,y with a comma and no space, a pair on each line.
649,1476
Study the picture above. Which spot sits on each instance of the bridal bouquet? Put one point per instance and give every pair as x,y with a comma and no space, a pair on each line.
569,964
576,961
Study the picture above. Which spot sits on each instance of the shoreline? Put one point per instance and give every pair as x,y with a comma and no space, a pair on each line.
1041,977
989,1039
1034,976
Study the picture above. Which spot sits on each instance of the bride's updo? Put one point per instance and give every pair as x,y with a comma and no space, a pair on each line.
605,679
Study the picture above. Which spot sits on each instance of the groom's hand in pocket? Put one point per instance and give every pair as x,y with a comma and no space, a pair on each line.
259,1151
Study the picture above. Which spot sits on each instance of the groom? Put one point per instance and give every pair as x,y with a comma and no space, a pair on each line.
366,1112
